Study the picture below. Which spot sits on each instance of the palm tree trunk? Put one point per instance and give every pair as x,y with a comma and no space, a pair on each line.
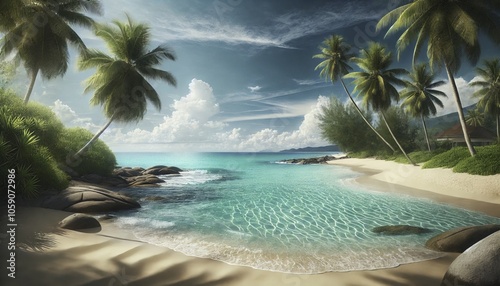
30,88
396,140
364,118
498,128
96,136
460,111
426,134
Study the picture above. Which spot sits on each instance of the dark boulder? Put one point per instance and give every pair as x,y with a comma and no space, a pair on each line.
79,222
459,239
478,266
89,199
400,230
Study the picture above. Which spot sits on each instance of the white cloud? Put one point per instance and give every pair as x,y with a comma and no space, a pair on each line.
69,117
465,91
191,127
254,88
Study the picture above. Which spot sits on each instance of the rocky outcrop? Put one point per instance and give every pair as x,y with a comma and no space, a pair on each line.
459,239
79,222
478,266
89,199
162,170
135,177
400,230
309,161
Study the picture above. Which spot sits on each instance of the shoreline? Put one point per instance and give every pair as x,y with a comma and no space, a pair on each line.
115,257
472,192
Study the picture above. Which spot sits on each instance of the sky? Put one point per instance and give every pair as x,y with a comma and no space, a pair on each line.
245,73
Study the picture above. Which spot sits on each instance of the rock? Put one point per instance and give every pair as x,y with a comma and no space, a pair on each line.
79,222
459,239
400,230
478,265
162,171
89,199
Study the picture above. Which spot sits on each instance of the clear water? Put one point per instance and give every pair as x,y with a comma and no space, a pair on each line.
246,209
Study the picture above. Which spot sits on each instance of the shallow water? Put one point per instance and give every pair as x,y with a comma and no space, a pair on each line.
246,209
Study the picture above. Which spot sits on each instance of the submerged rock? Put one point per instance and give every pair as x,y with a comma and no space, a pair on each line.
89,199
478,265
400,230
79,222
459,239
309,161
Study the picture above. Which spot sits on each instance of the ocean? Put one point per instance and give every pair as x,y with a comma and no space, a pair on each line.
249,209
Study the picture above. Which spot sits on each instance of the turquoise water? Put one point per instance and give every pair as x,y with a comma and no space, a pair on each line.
246,209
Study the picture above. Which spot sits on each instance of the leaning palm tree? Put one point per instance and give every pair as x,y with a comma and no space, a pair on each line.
336,54
421,97
376,82
39,32
120,83
489,92
449,28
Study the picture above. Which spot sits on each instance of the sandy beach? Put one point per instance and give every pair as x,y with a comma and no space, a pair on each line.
47,255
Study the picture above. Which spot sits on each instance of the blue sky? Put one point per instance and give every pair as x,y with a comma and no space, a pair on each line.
246,79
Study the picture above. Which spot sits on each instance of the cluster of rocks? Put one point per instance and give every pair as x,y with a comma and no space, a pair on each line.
127,177
309,161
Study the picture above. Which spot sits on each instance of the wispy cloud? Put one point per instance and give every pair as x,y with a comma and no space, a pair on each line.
308,81
171,24
254,88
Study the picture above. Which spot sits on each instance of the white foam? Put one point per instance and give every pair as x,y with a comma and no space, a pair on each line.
193,177
143,222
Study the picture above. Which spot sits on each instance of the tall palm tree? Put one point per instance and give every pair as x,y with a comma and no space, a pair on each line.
39,33
120,83
336,54
449,28
376,82
420,96
489,92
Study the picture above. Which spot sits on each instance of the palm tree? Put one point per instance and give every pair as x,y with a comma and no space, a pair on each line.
39,33
336,54
420,95
120,84
376,82
474,117
449,28
489,92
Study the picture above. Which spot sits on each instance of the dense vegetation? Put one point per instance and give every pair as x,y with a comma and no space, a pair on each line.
35,143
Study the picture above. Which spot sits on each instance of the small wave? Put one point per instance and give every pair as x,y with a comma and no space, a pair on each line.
143,222
193,177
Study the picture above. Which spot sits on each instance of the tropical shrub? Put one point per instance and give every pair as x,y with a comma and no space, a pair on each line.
342,125
98,159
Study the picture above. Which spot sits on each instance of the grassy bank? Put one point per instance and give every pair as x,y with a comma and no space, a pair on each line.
486,162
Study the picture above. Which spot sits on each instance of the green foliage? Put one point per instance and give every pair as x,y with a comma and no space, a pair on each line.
38,118
448,159
342,125
402,127
34,142
485,163
98,159
22,151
